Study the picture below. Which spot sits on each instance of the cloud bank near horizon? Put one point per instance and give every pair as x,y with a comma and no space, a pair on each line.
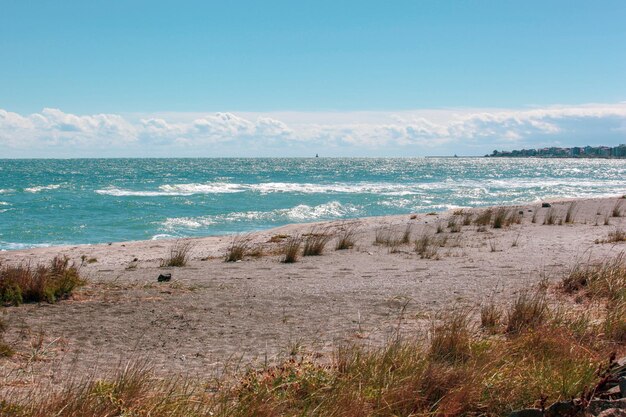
55,133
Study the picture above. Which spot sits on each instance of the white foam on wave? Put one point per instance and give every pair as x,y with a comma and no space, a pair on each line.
119,192
42,188
268,188
6,190
209,188
162,236
299,213
337,188
17,246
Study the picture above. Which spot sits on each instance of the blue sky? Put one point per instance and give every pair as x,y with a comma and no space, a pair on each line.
157,78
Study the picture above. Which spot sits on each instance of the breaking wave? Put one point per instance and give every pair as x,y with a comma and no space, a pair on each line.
299,213
42,188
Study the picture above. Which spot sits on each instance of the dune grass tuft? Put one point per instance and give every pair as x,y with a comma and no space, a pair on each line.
603,279
550,218
490,316
426,247
51,282
315,242
238,249
528,311
617,209
484,218
346,238
291,249
571,213
450,337
179,254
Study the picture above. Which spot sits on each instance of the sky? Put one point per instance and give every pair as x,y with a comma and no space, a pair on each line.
123,78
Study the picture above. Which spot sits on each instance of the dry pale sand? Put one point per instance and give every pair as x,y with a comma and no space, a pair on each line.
214,313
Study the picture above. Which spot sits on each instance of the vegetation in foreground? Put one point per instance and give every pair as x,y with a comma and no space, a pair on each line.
49,283
523,354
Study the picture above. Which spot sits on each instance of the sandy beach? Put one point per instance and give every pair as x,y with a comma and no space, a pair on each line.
215,313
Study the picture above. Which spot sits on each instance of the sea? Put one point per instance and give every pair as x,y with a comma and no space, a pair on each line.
46,202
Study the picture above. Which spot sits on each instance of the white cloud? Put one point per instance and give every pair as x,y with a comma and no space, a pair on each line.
420,131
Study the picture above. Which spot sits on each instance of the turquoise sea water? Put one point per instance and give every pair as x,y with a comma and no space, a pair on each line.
51,202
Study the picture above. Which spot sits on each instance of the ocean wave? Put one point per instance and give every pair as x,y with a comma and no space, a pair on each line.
42,188
119,192
161,236
299,213
18,246
6,190
268,188
209,188
475,187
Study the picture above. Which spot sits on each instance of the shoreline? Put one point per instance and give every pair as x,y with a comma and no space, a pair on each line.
552,200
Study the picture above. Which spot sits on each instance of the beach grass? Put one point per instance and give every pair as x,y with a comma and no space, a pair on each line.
291,249
47,282
454,372
346,238
179,254
315,242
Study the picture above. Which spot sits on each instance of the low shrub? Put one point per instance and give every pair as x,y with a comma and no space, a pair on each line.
51,282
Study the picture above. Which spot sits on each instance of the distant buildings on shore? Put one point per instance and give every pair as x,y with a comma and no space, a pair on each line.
575,152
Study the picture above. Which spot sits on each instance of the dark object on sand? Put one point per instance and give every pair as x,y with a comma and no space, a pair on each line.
164,277
546,205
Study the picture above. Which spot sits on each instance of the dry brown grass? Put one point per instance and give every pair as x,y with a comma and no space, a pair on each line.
528,311
500,218
490,316
484,218
550,218
406,236
315,242
451,337
603,279
455,374
291,249
427,247
179,254
617,209
615,236
571,213
238,249
346,237
51,282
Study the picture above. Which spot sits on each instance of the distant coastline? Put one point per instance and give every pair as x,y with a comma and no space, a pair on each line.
604,152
